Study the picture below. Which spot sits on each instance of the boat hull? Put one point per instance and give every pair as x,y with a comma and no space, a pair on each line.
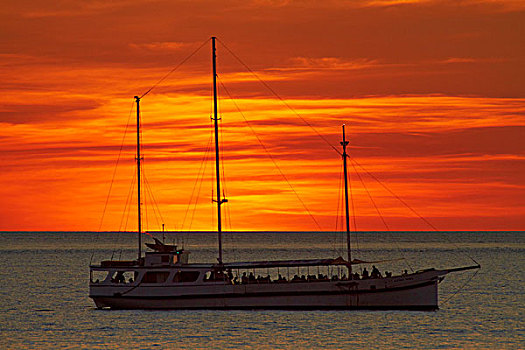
411,293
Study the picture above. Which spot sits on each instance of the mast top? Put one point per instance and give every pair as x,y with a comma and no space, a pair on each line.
344,143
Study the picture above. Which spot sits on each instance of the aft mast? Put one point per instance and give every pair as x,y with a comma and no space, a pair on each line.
219,201
344,143
139,230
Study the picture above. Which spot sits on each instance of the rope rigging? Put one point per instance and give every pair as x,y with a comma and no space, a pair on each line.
354,162
198,181
116,165
113,176
279,97
393,194
325,140
339,215
127,206
270,156
175,68
201,173
460,288
350,187
371,198
224,182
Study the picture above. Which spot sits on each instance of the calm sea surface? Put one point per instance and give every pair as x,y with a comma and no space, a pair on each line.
45,305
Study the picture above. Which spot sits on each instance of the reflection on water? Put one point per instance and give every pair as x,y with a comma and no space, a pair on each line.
45,304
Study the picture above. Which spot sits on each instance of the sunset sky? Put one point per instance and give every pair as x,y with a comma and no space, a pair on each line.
432,93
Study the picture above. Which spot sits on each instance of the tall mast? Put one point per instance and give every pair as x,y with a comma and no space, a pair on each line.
344,143
219,201
139,231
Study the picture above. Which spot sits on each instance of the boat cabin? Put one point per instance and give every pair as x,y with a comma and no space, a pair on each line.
173,268
177,257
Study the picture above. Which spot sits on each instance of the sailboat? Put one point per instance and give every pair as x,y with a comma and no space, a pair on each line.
163,278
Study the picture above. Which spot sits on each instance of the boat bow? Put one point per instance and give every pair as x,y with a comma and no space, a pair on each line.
458,269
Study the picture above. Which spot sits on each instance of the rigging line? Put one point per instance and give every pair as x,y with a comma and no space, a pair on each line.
200,186
131,199
342,213
337,216
460,288
224,182
352,201
393,194
353,211
199,181
152,198
280,98
128,198
370,196
156,209
342,219
406,205
116,165
144,199
114,174
149,195
126,211
204,157
341,200
175,68
379,213
271,157
144,193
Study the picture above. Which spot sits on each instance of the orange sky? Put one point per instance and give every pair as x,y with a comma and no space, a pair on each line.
431,91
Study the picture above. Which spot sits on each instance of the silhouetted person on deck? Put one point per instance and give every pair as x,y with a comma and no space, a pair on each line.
375,272
365,273
119,278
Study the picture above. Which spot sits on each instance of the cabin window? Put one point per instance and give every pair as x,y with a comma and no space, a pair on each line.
123,276
214,276
155,277
186,276
98,276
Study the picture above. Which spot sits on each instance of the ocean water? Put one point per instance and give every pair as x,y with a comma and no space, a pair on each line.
45,305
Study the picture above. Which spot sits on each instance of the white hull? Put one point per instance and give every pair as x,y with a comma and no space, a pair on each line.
417,291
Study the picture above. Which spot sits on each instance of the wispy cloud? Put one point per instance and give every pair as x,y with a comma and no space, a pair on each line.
332,63
71,8
163,46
